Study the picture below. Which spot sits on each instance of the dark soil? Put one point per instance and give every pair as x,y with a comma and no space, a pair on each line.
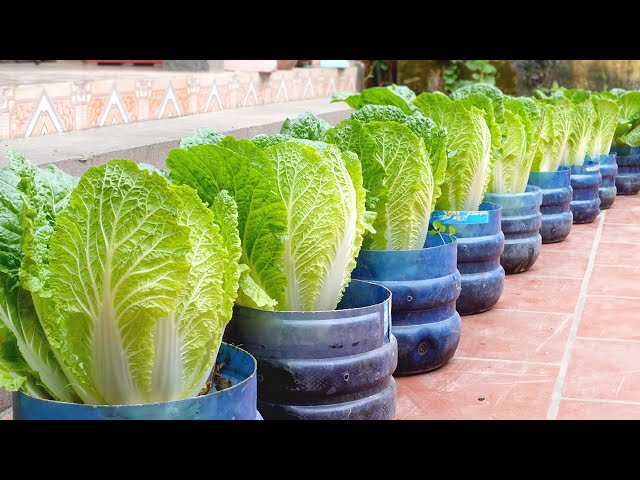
216,379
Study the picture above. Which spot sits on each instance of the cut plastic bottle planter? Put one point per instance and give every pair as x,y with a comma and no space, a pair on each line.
521,221
585,181
556,200
480,243
425,285
609,171
628,160
329,365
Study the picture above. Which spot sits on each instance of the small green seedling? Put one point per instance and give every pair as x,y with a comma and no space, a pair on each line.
439,229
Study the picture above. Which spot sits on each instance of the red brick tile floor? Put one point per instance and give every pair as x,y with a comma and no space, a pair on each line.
563,342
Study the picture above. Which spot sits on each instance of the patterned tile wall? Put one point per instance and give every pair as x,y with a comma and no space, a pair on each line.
33,110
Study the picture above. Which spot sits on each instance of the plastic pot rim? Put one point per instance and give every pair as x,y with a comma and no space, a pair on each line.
170,402
300,314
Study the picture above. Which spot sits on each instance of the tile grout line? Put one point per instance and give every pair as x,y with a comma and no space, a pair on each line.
535,275
615,265
556,395
598,339
526,362
624,243
614,296
527,311
601,400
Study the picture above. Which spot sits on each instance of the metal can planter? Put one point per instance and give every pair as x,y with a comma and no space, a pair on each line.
556,199
328,365
237,402
521,221
424,285
585,181
480,243
609,171
628,161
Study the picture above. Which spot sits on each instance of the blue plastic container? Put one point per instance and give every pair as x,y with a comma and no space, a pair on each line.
521,221
556,199
424,285
479,248
585,181
628,160
609,171
329,365
237,402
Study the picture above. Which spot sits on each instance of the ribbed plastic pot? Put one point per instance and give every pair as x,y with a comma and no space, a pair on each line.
521,221
479,248
237,402
556,199
424,285
328,365
628,160
585,181
609,172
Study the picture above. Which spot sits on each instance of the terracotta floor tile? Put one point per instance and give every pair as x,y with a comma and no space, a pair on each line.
620,233
524,291
626,202
619,281
513,335
629,217
612,253
577,410
510,391
603,370
610,317
580,239
560,263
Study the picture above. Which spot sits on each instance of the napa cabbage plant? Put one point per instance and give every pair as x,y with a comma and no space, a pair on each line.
520,134
604,127
552,147
628,126
468,149
404,158
301,214
202,136
514,124
306,126
582,123
399,96
116,287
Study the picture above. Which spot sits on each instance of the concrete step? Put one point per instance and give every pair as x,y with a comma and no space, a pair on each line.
151,141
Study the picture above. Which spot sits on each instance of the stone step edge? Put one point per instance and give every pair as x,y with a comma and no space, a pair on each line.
150,141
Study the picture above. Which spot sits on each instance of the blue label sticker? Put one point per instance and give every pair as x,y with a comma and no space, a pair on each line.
455,217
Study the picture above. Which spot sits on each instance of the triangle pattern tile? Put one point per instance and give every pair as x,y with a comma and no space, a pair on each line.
282,88
251,91
45,119
114,113
170,107
214,95
308,86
